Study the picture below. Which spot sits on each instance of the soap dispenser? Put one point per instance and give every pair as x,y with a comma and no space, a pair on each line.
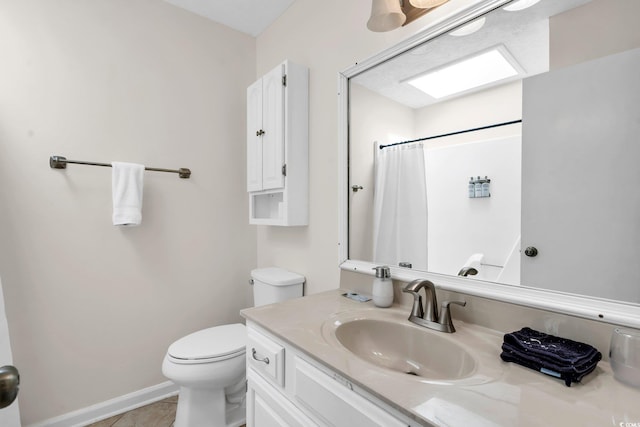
382,287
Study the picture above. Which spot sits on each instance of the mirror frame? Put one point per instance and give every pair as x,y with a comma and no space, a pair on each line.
601,310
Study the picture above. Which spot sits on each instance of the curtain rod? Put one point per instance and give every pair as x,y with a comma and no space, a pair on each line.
452,133
59,162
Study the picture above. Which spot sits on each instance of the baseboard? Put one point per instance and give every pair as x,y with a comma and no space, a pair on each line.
109,408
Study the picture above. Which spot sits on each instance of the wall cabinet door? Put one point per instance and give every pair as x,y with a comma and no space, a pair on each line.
254,138
273,127
265,132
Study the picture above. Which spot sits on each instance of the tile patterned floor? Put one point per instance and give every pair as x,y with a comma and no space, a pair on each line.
157,414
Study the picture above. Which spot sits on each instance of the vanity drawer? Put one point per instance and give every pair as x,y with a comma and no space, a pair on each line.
265,357
333,402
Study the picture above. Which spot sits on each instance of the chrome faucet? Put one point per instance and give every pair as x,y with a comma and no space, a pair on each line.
430,311
428,316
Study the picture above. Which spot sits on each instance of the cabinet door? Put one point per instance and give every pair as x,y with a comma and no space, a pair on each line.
254,139
273,125
266,407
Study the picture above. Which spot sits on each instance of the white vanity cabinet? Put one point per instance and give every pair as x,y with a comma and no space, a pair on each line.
287,388
277,146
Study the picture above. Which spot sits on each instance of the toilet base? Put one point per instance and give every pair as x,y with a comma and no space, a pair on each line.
236,415
207,408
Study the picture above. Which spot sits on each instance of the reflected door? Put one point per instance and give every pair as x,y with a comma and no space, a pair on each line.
580,182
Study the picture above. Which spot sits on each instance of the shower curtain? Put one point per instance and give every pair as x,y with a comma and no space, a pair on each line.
400,206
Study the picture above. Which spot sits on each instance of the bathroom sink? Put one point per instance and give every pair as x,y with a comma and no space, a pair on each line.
405,348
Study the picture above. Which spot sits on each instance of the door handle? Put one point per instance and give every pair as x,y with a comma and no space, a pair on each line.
9,385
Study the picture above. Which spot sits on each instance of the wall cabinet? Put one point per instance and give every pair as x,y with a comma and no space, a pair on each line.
305,393
277,146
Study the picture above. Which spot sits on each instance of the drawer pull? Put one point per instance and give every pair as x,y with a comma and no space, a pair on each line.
253,354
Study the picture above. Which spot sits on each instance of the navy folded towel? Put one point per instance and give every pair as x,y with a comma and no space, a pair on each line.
559,357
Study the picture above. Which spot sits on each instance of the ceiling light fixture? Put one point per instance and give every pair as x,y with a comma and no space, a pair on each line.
386,15
469,73
469,28
426,4
519,5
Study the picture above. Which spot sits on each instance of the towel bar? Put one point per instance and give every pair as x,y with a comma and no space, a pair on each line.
59,162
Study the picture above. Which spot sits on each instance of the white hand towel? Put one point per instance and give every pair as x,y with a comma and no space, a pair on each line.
126,184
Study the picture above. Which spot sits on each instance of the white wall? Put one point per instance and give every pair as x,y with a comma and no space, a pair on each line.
586,33
91,307
489,225
469,112
460,226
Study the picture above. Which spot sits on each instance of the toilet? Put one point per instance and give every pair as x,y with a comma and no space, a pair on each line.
209,365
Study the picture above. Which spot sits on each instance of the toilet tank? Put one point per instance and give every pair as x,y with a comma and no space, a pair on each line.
274,284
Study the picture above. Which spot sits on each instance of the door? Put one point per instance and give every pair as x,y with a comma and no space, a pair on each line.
9,416
273,125
254,136
578,121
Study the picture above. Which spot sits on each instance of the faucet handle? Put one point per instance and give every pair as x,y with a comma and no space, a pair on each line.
445,315
447,303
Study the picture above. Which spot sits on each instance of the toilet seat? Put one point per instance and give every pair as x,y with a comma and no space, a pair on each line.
210,345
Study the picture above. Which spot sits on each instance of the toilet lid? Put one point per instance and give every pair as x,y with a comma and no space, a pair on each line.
217,342
275,276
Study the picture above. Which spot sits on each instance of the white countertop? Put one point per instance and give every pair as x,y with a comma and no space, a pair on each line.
497,394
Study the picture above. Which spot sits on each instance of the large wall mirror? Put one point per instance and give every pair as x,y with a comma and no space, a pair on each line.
504,150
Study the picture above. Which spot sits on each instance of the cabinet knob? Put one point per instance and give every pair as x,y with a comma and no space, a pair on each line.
531,251
259,132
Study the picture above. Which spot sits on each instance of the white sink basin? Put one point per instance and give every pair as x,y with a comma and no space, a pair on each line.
383,342
406,349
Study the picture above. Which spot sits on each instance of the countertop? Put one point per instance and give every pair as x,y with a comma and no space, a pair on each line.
496,394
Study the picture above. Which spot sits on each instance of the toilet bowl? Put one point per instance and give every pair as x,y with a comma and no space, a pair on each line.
209,365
